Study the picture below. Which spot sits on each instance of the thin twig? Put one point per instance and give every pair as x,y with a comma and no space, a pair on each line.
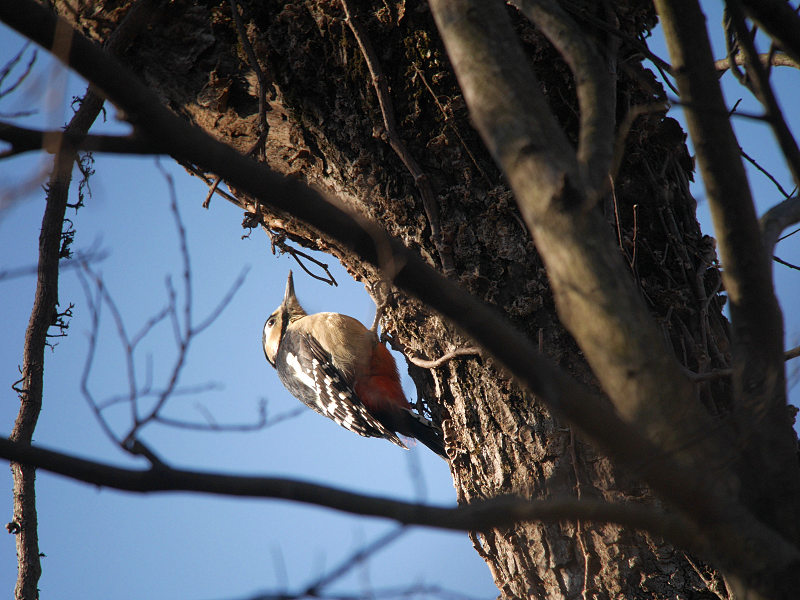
210,181
12,63
95,303
709,583
211,189
212,426
763,91
791,233
263,84
708,376
92,256
421,180
432,364
785,264
380,307
635,209
450,121
766,173
578,523
352,561
278,240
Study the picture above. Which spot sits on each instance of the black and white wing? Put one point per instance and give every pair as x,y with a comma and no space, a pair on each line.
307,371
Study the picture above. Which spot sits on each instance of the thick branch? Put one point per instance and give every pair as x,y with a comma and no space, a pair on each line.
779,20
768,462
595,295
595,79
479,516
777,219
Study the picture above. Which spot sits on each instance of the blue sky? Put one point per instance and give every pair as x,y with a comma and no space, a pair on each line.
101,543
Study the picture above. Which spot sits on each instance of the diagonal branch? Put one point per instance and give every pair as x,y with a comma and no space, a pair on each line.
767,462
762,88
596,297
595,85
314,588
421,179
779,20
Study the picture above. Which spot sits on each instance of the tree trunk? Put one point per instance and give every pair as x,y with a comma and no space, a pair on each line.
325,126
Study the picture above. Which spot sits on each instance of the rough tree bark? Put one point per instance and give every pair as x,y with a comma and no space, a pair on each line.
326,127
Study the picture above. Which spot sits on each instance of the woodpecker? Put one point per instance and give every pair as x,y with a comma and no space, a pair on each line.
339,368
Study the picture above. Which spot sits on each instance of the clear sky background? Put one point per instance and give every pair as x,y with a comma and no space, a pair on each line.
105,544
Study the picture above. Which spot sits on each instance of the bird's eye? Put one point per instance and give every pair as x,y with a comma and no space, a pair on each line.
271,322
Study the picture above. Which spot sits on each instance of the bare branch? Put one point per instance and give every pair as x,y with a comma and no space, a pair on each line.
23,139
757,324
261,77
775,60
44,307
95,304
780,21
433,364
786,263
409,591
352,561
11,65
212,426
595,85
184,331
764,172
777,219
762,89
478,516
421,180
277,240
91,256
223,303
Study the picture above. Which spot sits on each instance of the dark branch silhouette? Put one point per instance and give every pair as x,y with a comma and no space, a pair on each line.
478,516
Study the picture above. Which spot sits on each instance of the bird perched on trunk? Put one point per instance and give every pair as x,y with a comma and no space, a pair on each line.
339,368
